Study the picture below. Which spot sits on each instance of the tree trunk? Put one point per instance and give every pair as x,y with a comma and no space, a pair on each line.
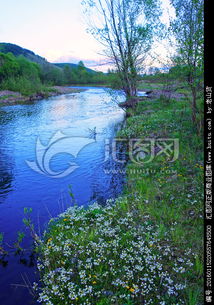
194,105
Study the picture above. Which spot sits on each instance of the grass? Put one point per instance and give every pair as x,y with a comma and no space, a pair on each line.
147,247
148,85
6,96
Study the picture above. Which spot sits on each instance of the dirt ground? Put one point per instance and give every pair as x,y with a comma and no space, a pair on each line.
11,97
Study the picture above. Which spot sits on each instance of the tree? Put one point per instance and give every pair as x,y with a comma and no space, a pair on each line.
28,69
82,73
81,66
53,76
188,30
8,66
125,28
67,70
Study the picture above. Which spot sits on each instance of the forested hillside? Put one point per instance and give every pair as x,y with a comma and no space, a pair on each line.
23,71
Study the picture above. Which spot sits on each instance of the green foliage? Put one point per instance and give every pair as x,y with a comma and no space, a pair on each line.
19,74
2,250
22,85
114,80
179,72
70,191
27,211
199,266
171,192
17,51
20,237
27,221
1,238
8,66
53,76
68,74
193,296
82,75
17,244
188,29
27,77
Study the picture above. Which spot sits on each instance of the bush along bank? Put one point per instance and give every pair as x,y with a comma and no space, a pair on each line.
145,248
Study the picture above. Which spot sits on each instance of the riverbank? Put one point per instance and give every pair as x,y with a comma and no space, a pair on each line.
8,97
147,247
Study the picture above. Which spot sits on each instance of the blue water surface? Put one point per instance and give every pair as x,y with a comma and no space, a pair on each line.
46,148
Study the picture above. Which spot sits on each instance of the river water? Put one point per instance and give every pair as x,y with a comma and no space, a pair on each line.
47,149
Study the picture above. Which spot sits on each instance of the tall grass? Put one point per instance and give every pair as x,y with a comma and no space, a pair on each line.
22,84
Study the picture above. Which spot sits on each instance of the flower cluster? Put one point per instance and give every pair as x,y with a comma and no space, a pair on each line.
109,255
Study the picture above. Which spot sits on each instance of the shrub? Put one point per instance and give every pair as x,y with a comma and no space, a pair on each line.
21,84
109,255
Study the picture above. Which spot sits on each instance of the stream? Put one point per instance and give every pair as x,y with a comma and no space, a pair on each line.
47,149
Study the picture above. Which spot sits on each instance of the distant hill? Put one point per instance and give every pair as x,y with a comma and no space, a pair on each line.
73,66
17,51
31,73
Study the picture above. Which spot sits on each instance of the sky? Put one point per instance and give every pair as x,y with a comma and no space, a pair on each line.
54,29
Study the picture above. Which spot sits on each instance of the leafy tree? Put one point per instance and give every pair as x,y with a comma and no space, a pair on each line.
53,76
19,74
188,29
28,69
125,29
82,73
8,66
99,78
68,74
81,66
114,80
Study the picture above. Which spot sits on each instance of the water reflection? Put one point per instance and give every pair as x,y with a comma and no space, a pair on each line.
6,160
6,177
76,115
92,114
